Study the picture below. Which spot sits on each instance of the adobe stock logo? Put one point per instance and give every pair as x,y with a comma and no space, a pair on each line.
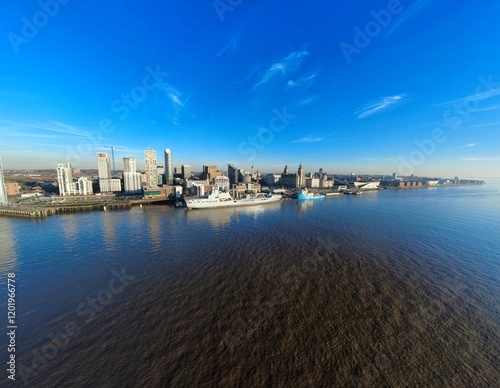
453,117
121,106
223,6
264,136
363,37
30,28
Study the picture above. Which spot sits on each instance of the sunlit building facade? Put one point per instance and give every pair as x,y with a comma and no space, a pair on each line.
150,168
65,179
3,191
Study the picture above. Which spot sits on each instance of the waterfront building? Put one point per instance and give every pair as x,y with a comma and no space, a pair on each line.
131,178
131,182
84,186
242,188
326,183
368,185
156,193
312,183
3,191
222,182
272,179
232,174
160,175
186,171
289,180
302,176
409,184
210,172
187,184
169,170
129,164
241,173
104,172
151,173
177,191
115,185
198,190
65,179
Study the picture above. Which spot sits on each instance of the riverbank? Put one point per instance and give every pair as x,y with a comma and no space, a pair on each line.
42,211
78,205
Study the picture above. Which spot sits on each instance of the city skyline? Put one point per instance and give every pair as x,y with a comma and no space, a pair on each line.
348,88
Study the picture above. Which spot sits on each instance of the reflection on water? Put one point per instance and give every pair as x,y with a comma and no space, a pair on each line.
154,225
391,289
304,204
7,248
108,232
220,217
69,228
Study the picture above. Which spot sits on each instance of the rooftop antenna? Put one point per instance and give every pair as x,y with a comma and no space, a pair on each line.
113,157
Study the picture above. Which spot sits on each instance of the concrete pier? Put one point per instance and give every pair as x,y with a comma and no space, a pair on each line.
45,211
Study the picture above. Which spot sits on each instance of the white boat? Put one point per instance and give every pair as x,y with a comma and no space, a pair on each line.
217,198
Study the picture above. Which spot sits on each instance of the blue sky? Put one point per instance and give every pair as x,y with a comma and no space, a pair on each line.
365,87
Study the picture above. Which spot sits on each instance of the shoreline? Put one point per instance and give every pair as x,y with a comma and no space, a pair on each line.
44,211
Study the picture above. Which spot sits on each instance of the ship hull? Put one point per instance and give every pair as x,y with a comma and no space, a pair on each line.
204,204
308,196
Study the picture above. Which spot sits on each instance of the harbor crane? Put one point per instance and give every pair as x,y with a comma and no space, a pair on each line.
113,148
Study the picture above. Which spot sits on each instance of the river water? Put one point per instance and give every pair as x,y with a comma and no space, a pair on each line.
391,288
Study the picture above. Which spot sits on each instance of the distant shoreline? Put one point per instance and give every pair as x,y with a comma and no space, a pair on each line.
84,205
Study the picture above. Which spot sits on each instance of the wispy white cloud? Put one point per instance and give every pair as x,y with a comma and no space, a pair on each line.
377,106
475,97
317,139
53,135
173,94
306,101
301,80
286,66
26,128
175,97
468,145
407,15
483,159
231,46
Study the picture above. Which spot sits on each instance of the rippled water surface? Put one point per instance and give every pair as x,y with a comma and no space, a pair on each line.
392,288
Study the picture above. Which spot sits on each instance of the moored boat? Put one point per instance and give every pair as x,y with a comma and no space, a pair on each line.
217,198
304,194
353,192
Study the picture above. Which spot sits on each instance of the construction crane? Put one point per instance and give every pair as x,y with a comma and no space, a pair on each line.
113,148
